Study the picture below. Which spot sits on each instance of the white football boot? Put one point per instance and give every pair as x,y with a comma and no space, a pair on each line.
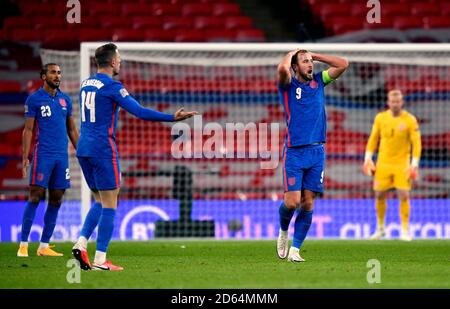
294,255
282,244
379,233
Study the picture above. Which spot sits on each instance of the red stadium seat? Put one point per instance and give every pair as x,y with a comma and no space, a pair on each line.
333,9
14,22
425,9
26,35
220,35
177,22
126,35
44,22
407,22
33,9
196,9
341,25
445,8
94,34
158,35
226,9
249,35
10,86
60,39
436,22
192,35
87,21
385,22
144,22
163,9
238,22
132,9
208,22
116,22
100,9
395,9
33,85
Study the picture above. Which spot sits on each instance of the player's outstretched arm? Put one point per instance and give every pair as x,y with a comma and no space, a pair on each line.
72,131
337,64
132,106
182,115
284,69
27,135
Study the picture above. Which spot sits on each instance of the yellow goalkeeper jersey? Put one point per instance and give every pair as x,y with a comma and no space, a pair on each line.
395,137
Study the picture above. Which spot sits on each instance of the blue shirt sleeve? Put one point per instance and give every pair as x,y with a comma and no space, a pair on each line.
127,102
30,107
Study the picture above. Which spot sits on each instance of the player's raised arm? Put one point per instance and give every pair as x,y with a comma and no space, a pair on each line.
132,106
337,64
284,69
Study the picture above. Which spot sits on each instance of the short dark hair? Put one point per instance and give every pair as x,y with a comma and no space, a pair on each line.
294,58
104,54
44,68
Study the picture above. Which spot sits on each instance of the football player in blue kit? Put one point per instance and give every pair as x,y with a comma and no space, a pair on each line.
303,98
48,112
100,100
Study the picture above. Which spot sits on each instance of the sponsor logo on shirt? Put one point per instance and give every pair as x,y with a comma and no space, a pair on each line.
124,92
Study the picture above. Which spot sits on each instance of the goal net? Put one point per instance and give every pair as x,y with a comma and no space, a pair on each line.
221,174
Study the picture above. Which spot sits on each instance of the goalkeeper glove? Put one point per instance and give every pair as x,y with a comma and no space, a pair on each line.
414,169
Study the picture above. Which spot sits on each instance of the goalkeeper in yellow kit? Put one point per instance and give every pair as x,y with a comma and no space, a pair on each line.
396,134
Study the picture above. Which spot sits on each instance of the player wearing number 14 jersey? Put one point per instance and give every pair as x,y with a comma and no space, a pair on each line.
101,97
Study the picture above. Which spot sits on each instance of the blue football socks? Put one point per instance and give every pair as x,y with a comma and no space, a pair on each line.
302,224
49,222
105,228
285,216
27,220
92,220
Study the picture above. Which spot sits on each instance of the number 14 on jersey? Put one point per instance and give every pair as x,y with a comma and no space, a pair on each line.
88,102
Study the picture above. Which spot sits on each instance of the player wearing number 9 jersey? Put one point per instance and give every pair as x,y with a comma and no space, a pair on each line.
303,97
101,98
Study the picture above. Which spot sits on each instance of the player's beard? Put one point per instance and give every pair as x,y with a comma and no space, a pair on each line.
306,76
53,85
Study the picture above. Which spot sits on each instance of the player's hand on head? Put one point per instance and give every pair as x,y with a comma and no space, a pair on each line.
182,115
25,164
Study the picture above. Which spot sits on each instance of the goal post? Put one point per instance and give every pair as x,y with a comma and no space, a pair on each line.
236,84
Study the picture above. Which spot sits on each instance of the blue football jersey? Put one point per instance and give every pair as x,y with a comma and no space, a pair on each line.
50,114
100,100
304,106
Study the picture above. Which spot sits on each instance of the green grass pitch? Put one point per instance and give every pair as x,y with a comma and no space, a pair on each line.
181,264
